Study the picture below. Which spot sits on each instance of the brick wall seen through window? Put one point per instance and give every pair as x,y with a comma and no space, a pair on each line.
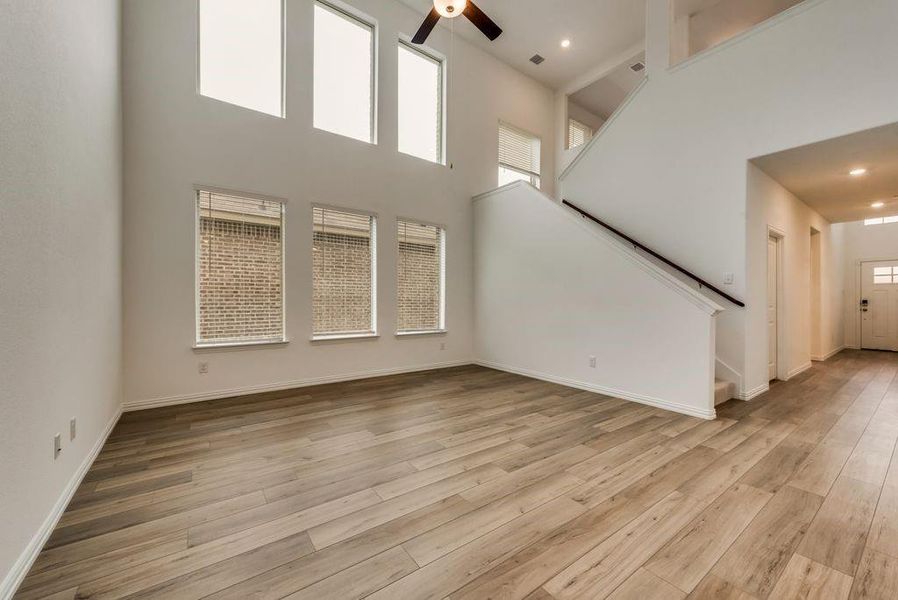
342,272
420,277
240,268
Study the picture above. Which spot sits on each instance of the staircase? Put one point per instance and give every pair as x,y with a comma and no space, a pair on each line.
723,391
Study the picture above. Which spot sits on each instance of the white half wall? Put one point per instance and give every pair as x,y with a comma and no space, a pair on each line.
862,243
60,259
176,138
771,207
670,169
552,290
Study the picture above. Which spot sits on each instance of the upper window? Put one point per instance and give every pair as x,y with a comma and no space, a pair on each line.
343,267
881,220
421,278
519,155
239,269
420,104
344,74
241,53
578,133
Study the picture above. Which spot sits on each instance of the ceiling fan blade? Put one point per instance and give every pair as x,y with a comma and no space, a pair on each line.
486,25
426,27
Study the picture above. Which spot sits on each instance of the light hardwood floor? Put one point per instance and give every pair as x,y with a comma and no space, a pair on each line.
469,483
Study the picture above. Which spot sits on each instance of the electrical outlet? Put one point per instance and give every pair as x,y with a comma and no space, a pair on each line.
57,445
442,345
204,368
73,428
592,362
729,278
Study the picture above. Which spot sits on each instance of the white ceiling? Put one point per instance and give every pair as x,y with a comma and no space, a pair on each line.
598,30
604,96
818,174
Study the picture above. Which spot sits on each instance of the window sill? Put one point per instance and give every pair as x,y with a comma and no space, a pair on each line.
344,336
211,347
426,332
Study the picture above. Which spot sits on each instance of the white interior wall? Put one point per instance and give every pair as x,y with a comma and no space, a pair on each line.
176,139
773,207
801,77
658,350
60,258
862,243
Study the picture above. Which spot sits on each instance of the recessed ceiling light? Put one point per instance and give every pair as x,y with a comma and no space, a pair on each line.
565,43
857,172
878,204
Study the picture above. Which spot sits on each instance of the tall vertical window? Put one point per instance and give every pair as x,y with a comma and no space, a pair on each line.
241,53
344,74
343,267
421,278
577,133
239,269
519,155
420,104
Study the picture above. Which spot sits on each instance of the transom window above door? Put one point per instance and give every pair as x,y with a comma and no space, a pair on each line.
885,275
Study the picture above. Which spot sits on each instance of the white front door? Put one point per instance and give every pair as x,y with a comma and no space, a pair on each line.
772,278
879,305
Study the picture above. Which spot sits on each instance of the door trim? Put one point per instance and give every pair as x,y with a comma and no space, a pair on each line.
782,363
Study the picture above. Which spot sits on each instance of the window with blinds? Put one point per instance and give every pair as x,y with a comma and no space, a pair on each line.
343,82
420,104
421,278
343,267
578,133
241,53
240,271
519,155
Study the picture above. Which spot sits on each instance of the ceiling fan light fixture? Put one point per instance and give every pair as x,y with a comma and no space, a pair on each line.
450,8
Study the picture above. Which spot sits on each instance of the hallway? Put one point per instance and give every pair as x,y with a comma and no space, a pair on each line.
473,483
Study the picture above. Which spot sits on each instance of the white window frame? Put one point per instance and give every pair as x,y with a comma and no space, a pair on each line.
430,54
200,344
442,329
580,125
373,333
199,67
346,10
535,178
881,220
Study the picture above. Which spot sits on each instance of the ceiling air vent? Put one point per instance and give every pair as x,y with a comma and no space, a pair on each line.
536,59
637,67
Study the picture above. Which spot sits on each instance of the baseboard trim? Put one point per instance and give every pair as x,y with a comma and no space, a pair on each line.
754,393
281,386
20,569
601,389
829,354
799,370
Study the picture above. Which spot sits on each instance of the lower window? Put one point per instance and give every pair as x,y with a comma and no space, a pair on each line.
343,267
421,278
240,258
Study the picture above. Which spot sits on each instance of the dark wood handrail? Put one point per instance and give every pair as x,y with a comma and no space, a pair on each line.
701,282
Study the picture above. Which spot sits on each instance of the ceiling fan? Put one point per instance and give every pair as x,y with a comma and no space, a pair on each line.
451,9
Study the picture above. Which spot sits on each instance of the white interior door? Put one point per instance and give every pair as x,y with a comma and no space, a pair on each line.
772,293
879,305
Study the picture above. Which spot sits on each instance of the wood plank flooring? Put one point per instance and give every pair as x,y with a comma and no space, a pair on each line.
470,483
